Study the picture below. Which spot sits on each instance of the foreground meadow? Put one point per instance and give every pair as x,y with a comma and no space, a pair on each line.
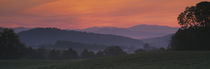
148,60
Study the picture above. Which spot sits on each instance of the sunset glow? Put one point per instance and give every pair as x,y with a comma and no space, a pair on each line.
78,14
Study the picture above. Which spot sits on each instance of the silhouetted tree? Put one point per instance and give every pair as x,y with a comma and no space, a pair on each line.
87,54
70,54
42,53
195,16
91,54
54,54
139,51
10,46
100,54
195,29
162,49
30,53
146,46
113,51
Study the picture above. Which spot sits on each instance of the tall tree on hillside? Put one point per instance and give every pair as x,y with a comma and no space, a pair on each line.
147,47
100,54
70,54
42,53
30,53
54,54
139,50
87,54
113,51
10,46
195,29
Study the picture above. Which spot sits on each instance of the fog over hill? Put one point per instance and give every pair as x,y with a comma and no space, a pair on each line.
20,29
136,32
159,42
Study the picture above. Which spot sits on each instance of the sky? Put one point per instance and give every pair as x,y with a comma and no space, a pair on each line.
80,14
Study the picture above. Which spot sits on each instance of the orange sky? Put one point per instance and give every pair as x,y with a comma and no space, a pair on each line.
77,14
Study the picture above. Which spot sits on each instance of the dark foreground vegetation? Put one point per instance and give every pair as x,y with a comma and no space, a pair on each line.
194,33
147,60
12,48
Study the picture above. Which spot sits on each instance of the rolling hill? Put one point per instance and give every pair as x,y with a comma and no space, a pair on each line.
63,45
39,36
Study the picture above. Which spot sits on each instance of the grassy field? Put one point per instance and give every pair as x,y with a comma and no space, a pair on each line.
149,60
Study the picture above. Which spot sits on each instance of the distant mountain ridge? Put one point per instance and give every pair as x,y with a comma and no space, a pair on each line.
137,32
20,29
17,29
142,31
38,36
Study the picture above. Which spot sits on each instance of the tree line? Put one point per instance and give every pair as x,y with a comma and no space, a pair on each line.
43,53
12,48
